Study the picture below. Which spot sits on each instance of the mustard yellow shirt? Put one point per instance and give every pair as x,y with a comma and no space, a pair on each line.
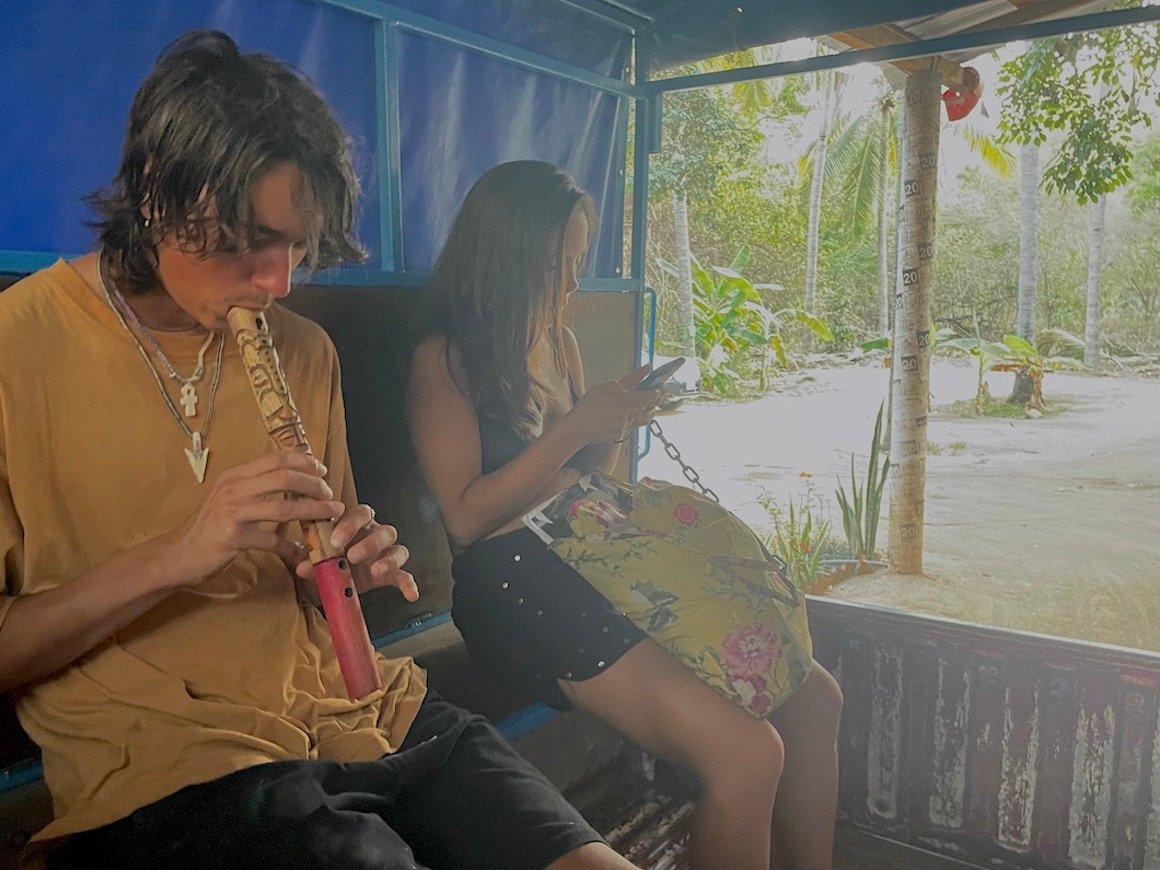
216,678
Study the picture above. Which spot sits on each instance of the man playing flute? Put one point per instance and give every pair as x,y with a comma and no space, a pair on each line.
157,622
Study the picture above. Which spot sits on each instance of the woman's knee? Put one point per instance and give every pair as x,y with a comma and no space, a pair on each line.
814,711
829,697
748,755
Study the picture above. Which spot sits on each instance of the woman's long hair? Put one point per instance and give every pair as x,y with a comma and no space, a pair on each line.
495,299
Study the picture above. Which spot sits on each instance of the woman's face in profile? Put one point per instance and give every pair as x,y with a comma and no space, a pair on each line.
575,250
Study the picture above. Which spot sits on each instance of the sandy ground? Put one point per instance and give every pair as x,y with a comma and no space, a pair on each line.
1049,525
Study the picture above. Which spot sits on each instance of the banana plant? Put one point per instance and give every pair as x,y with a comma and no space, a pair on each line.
1022,356
731,321
988,354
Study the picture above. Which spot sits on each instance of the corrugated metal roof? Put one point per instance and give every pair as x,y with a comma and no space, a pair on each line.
682,31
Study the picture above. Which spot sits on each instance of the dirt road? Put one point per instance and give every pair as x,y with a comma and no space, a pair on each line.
1049,525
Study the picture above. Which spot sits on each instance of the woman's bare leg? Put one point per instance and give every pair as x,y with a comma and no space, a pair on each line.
803,829
662,706
591,856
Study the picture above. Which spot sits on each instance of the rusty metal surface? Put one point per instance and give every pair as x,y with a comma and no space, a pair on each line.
995,746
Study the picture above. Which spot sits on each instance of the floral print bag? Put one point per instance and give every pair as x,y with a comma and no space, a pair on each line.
692,576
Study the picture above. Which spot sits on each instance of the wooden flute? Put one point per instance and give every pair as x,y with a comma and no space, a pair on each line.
340,602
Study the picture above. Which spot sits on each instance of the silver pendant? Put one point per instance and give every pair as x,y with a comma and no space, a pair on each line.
197,456
189,399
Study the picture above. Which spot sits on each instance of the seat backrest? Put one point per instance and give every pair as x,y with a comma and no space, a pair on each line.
374,329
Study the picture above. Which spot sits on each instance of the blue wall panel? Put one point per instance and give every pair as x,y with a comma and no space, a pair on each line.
67,77
461,113
67,80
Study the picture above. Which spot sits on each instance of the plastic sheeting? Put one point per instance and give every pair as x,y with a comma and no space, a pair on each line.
66,83
449,137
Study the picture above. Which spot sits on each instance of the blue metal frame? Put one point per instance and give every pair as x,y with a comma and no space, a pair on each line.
387,153
413,22
390,20
20,773
24,262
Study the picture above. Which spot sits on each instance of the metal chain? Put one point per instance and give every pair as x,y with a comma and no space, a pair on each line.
107,286
674,454
694,478
169,368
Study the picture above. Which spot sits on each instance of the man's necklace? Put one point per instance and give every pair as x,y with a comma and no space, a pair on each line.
197,453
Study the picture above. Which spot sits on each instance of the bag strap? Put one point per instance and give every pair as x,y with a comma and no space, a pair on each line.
690,473
781,569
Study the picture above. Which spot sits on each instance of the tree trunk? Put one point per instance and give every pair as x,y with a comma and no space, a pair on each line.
912,332
888,435
686,331
883,247
1028,261
1028,240
821,148
1091,331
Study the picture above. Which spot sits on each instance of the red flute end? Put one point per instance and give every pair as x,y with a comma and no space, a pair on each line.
348,628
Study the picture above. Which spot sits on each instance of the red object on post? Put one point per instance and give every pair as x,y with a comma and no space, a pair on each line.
959,103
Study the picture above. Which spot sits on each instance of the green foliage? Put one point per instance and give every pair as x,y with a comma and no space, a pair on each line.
1144,188
884,342
987,355
734,327
1024,356
800,539
1095,87
862,508
856,162
743,197
1131,318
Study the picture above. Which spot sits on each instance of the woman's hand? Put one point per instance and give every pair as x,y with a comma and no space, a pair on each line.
244,510
373,551
610,411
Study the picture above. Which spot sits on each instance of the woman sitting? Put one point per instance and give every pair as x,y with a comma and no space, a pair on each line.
501,421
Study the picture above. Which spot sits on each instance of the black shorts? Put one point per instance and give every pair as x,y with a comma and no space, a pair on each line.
456,795
529,619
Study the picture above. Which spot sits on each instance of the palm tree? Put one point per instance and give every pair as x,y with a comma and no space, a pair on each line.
1097,213
1028,259
1095,87
863,159
830,99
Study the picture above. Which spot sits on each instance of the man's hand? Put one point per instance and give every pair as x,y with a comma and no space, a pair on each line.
375,555
244,510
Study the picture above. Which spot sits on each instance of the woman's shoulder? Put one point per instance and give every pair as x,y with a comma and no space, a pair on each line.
436,347
437,358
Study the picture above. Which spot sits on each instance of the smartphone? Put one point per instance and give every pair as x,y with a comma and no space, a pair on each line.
658,376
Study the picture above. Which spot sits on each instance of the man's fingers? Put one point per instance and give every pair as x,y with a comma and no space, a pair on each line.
290,459
353,522
288,510
404,581
279,481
